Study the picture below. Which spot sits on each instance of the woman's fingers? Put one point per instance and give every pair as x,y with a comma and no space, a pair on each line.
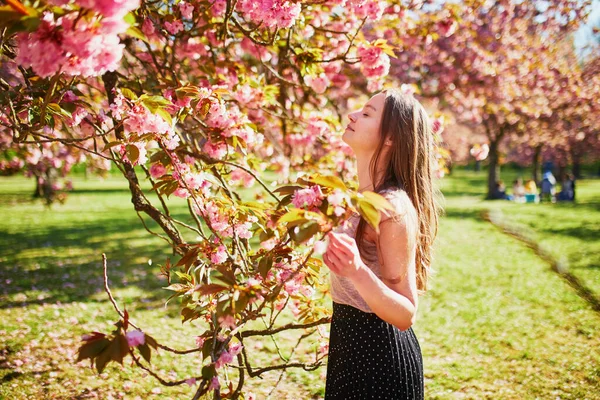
330,264
339,246
344,238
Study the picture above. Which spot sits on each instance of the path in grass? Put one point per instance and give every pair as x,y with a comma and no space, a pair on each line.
498,322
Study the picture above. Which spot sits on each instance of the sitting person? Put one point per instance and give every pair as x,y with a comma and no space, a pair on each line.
499,192
531,195
518,190
567,192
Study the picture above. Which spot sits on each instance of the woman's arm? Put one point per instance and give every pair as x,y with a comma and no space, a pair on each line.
396,300
389,305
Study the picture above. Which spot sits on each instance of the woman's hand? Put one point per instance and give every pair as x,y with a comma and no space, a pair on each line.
342,256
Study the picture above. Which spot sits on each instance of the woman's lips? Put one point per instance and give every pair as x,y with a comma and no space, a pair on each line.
348,127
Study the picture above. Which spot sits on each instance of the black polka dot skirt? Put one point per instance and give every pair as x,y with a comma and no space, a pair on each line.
371,359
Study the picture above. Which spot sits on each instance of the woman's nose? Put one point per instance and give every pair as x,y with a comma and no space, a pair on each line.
351,117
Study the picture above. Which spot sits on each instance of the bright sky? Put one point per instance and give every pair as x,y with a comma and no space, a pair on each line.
584,34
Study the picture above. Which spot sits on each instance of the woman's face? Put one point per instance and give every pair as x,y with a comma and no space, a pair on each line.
362,132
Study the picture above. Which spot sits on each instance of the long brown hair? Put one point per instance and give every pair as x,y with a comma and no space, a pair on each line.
411,161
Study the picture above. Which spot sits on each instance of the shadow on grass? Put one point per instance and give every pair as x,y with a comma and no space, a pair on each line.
458,213
64,264
583,232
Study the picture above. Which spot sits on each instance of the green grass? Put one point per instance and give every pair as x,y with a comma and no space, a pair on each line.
570,232
498,323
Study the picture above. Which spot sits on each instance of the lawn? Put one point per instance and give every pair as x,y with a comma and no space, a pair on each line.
498,322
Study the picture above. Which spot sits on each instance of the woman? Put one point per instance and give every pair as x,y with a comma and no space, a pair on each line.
376,278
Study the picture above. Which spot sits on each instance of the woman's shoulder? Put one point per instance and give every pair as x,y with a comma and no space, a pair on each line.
400,200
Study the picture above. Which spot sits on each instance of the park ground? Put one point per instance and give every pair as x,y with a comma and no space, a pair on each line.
498,322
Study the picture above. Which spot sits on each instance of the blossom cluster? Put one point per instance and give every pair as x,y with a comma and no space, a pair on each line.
86,45
271,13
375,64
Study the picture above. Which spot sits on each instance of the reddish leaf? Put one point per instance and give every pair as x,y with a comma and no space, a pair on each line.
211,288
145,352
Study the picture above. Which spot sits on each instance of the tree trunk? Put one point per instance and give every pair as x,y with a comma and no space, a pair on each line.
576,168
477,165
562,173
493,168
44,186
536,164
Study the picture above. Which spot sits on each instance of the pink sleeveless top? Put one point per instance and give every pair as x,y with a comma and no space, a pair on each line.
341,288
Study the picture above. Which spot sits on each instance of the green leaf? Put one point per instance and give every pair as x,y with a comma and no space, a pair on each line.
305,232
110,145
377,200
370,213
165,115
133,153
287,189
135,32
130,18
154,102
264,265
294,215
8,14
329,181
178,287
241,302
206,347
129,94
208,371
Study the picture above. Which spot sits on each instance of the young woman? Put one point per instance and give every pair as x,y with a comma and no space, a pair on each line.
376,278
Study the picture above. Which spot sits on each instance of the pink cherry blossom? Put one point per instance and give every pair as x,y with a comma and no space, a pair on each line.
89,47
243,230
220,255
186,10
135,338
190,381
227,321
239,174
224,358
271,13
148,27
174,27
182,192
318,83
215,150
214,383
320,247
269,243
157,170
308,197
235,348
110,8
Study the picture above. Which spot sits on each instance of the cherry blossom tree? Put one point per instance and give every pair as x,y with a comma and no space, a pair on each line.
491,63
202,99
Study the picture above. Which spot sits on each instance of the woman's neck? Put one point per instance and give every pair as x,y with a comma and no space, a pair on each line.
362,169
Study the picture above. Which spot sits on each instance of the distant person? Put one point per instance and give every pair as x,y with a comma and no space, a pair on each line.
567,192
531,192
499,192
547,187
518,190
